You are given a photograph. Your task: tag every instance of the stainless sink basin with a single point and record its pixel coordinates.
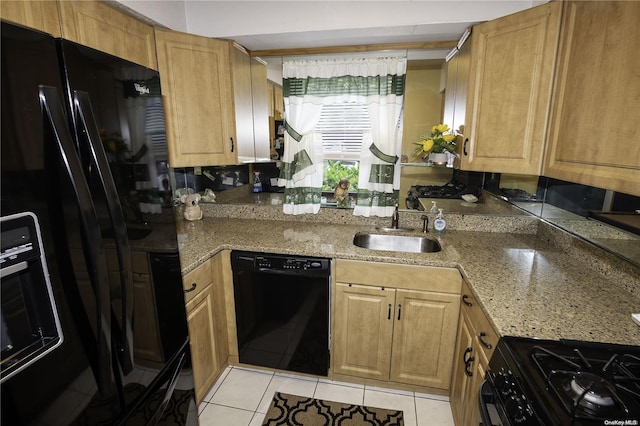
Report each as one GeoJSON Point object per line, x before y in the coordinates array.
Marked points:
{"type": "Point", "coordinates": [406, 243]}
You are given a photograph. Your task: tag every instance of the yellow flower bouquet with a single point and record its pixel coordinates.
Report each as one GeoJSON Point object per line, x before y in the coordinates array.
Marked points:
{"type": "Point", "coordinates": [441, 140]}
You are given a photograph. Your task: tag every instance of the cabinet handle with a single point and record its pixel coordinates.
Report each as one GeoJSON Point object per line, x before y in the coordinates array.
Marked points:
{"type": "Point", "coordinates": [389, 315]}
{"type": "Point", "coordinates": [485, 344]}
{"type": "Point", "coordinates": [193, 287]}
{"type": "Point", "coordinates": [464, 147]}
{"type": "Point", "coordinates": [233, 147]}
{"type": "Point", "coordinates": [464, 300]}
{"type": "Point", "coordinates": [399, 311]}
{"type": "Point", "coordinates": [468, 361]}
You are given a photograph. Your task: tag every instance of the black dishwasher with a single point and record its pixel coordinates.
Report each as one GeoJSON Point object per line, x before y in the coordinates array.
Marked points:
{"type": "Point", "coordinates": [282, 311]}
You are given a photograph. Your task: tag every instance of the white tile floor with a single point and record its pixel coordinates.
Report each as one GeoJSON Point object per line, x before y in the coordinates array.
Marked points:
{"type": "Point", "coordinates": [241, 397]}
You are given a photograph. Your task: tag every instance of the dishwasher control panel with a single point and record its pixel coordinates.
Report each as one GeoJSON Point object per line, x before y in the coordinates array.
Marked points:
{"type": "Point", "coordinates": [290, 263]}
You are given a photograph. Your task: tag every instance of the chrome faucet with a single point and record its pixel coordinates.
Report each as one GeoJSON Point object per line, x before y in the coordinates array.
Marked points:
{"type": "Point", "coordinates": [394, 218]}
{"type": "Point", "coordinates": [425, 223]}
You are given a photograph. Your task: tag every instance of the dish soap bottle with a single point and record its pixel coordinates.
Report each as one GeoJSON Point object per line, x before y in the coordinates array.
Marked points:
{"type": "Point", "coordinates": [434, 207]}
{"type": "Point", "coordinates": [439, 224]}
{"type": "Point", "coordinates": [257, 184]}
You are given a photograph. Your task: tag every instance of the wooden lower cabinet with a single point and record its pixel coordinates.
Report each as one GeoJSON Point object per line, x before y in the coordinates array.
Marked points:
{"type": "Point", "coordinates": [204, 295]}
{"type": "Point", "coordinates": [363, 331]}
{"type": "Point", "coordinates": [475, 343]}
{"type": "Point", "coordinates": [423, 338]}
{"type": "Point", "coordinates": [393, 334]}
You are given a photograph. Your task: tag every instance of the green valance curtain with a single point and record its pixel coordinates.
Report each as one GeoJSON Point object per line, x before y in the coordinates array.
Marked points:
{"type": "Point", "coordinates": [377, 83]}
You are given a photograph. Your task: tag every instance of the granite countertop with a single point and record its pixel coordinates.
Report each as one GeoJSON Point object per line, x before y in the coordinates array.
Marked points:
{"type": "Point", "coordinates": [527, 287]}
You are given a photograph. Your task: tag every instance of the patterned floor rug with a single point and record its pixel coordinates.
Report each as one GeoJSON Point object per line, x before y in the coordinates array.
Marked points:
{"type": "Point", "coordinates": [292, 410]}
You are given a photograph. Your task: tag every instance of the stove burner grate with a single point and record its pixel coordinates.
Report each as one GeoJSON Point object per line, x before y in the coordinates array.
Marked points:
{"type": "Point", "coordinates": [592, 389]}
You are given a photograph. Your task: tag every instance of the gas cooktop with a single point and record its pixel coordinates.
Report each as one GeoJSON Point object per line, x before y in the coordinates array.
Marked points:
{"type": "Point", "coordinates": [567, 382]}
{"type": "Point", "coordinates": [460, 184]}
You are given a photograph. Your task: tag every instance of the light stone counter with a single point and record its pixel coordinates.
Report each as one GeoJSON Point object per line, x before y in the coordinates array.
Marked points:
{"type": "Point", "coordinates": [531, 284]}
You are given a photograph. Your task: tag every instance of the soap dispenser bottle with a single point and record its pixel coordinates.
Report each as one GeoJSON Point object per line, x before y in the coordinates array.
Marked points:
{"type": "Point", "coordinates": [439, 224]}
{"type": "Point", "coordinates": [257, 183]}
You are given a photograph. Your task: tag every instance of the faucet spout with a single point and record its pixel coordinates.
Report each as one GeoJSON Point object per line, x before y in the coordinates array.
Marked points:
{"type": "Point", "coordinates": [425, 223]}
{"type": "Point", "coordinates": [395, 218]}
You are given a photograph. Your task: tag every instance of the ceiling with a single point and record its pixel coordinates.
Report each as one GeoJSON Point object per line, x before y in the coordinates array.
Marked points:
{"type": "Point", "coordinates": [306, 24]}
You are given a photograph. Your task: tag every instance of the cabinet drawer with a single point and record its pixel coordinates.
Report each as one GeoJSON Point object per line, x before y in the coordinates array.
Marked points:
{"type": "Point", "coordinates": [197, 280]}
{"type": "Point", "coordinates": [409, 277]}
{"type": "Point", "coordinates": [482, 329]}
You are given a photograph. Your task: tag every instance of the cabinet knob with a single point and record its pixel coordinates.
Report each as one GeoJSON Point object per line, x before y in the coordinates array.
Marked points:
{"type": "Point", "coordinates": [193, 287]}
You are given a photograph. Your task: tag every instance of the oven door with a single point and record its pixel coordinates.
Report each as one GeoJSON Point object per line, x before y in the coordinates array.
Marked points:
{"type": "Point", "coordinates": [488, 410]}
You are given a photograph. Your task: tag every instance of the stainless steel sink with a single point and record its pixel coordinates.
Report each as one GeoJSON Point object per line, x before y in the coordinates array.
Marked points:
{"type": "Point", "coordinates": [406, 243]}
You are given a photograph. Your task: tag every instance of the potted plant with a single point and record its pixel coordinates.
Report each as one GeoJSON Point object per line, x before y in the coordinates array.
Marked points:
{"type": "Point", "coordinates": [437, 146]}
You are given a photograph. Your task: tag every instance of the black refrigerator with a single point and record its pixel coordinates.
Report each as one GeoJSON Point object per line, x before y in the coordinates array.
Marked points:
{"type": "Point", "coordinates": [85, 182]}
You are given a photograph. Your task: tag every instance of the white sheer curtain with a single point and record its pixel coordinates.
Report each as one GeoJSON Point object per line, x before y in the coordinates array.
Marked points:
{"type": "Point", "coordinates": [379, 179]}
{"type": "Point", "coordinates": [310, 84]}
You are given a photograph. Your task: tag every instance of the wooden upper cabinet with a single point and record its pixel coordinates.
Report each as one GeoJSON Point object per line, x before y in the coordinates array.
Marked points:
{"type": "Point", "coordinates": [512, 61]}
{"type": "Point", "coordinates": [594, 135]}
{"type": "Point", "coordinates": [39, 15]}
{"type": "Point", "coordinates": [260, 101]}
{"type": "Point", "coordinates": [249, 77]}
{"type": "Point", "coordinates": [241, 79]}
{"type": "Point", "coordinates": [99, 26]}
{"type": "Point", "coordinates": [198, 99]}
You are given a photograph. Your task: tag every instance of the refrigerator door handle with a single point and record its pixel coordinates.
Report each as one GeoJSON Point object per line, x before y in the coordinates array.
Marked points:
{"type": "Point", "coordinates": [84, 112]}
{"type": "Point", "coordinates": [96, 266]}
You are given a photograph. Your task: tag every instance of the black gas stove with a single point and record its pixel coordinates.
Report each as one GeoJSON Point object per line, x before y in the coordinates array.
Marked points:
{"type": "Point", "coordinates": [548, 382]}
{"type": "Point", "coordinates": [461, 183]}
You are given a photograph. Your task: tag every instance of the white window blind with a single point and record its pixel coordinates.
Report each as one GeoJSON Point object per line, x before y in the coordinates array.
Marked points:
{"type": "Point", "coordinates": [155, 129]}
{"type": "Point", "coordinates": [343, 126]}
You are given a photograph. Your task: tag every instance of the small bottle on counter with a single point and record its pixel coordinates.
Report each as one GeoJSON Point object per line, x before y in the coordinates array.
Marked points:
{"type": "Point", "coordinates": [434, 207]}
{"type": "Point", "coordinates": [257, 183]}
{"type": "Point", "coordinates": [439, 224]}
{"type": "Point", "coordinates": [237, 181]}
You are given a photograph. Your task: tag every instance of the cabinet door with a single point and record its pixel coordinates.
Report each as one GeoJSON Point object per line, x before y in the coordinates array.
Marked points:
{"type": "Point", "coordinates": [200, 319]}
{"type": "Point", "coordinates": [462, 364]}
{"type": "Point", "coordinates": [97, 25]}
{"type": "Point", "coordinates": [198, 99]}
{"type": "Point", "coordinates": [594, 132]}
{"type": "Point", "coordinates": [512, 62]}
{"type": "Point", "coordinates": [480, 366]}
{"type": "Point", "coordinates": [424, 338]}
{"type": "Point", "coordinates": [363, 324]}
{"type": "Point", "coordinates": [39, 15]}
{"type": "Point", "coordinates": [241, 80]}
{"type": "Point", "coordinates": [260, 101]}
